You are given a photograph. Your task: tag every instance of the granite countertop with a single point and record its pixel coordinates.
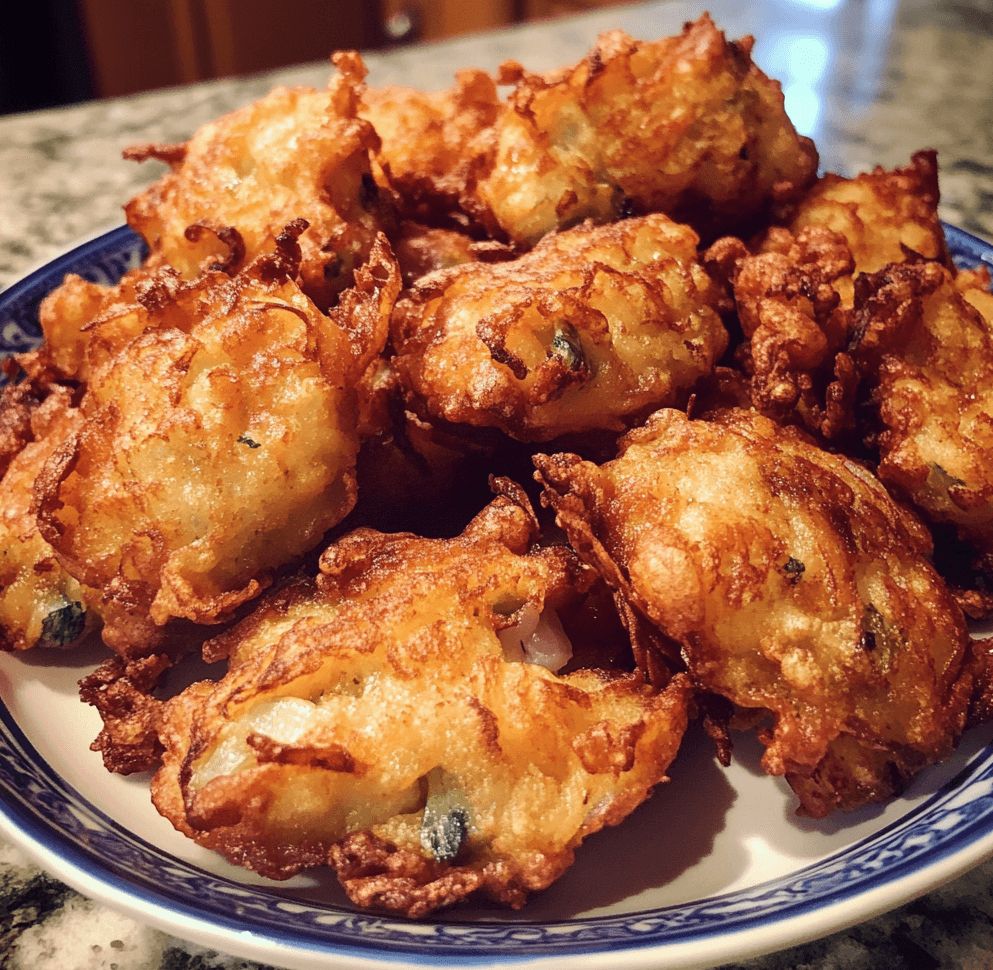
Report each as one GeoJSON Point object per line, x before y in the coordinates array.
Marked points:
{"type": "Point", "coordinates": [870, 80]}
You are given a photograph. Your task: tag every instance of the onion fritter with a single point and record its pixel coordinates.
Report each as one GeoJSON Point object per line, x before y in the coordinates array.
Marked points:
{"type": "Point", "coordinates": [483, 772]}
{"type": "Point", "coordinates": [215, 446]}
{"type": "Point", "coordinates": [884, 215]}
{"type": "Point", "coordinates": [423, 139]}
{"type": "Point", "coordinates": [296, 153]}
{"type": "Point", "coordinates": [687, 125]}
{"type": "Point", "coordinates": [40, 603]}
{"type": "Point", "coordinates": [791, 584]}
{"type": "Point", "coordinates": [591, 329]}
{"type": "Point", "coordinates": [924, 344]}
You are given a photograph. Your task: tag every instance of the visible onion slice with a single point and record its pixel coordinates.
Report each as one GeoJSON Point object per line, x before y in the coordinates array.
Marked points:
{"type": "Point", "coordinates": [284, 719]}
{"type": "Point", "coordinates": [537, 638]}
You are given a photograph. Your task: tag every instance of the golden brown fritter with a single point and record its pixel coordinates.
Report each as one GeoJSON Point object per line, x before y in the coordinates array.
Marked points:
{"type": "Point", "coordinates": [687, 125]}
{"type": "Point", "coordinates": [794, 286]}
{"type": "Point", "coordinates": [924, 344]}
{"type": "Point", "coordinates": [789, 583]}
{"type": "Point", "coordinates": [885, 216]}
{"type": "Point", "coordinates": [423, 138]}
{"type": "Point", "coordinates": [593, 327]}
{"type": "Point", "coordinates": [40, 603]}
{"type": "Point", "coordinates": [215, 446]}
{"type": "Point", "coordinates": [400, 719]}
{"type": "Point", "coordinates": [793, 326]}
{"type": "Point", "coordinates": [296, 153]}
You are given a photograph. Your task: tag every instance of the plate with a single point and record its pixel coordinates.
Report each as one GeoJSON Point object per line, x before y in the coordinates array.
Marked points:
{"type": "Point", "coordinates": [715, 867]}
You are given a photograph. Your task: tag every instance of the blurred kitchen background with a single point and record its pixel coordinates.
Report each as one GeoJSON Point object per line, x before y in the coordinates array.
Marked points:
{"type": "Point", "coordinates": [64, 51]}
{"type": "Point", "coordinates": [68, 51]}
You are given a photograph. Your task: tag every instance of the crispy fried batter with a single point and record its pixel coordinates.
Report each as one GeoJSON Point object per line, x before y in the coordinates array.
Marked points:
{"type": "Point", "coordinates": [216, 446]}
{"type": "Point", "coordinates": [122, 693]}
{"type": "Point", "coordinates": [925, 348]}
{"type": "Point", "coordinates": [807, 596]}
{"type": "Point", "coordinates": [793, 325]}
{"type": "Point", "coordinates": [439, 718]}
{"type": "Point", "coordinates": [421, 249]}
{"type": "Point", "coordinates": [592, 328]}
{"type": "Point", "coordinates": [794, 287]}
{"type": "Point", "coordinates": [688, 126]}
{"type": "Point", "coordinates": [85, 323]}
{"type": "Point", "coordinates": [885, 216]}
{"type": "Point", "coordinates": [19, 400]}
{"type": "Point", "coordinates": [40, 603]}
{"type": "Point", "coordinates": [484, 772]}
{"type": "Point", "coordinates": [423, 139]}
{"type": "Point", "coordinates": [296, 153]}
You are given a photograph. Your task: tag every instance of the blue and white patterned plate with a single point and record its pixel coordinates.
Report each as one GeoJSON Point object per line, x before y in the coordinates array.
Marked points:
{"type": "Point", "coordinates": [715, 867]}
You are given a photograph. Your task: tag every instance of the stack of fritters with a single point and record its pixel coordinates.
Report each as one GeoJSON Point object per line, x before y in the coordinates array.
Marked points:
{"type": "Point", "coordinates": [757, 400]}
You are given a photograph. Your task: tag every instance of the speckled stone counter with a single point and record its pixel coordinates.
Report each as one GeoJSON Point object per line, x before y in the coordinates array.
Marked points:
{"type": "Point", "coordinates": [876, 80]}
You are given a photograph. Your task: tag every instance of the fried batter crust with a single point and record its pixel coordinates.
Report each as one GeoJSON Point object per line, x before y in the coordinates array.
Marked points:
{"type": "Point", "coordinates": [276, 768]}
{"type": "Point", "coordinates": [122, 693]}
{"type": "Point", "coordinates": [216, 445]}
{"type": "Point", "coordinates": [423, 138]}
{"type": "Point", "coordinates": [924, 344]}
{"type": "Point", "coordinates": [885, 216]}
{"type": "Point", "coordinates": [593, 328]}
{"type": "Point", "coordinates": [296, 153]}
{"type": "Point", "coordinates": [422, 249]}
{"type": "Point", "coordinates": [85, 323]}
{"type": "Point", "coordinates": [687, 125]}
{"type": "Point", "coordinates": [811, 598]}
{"type": "Point", "coordinates": [40, 603]}
{"type": "Point", "coordinates": [794, 326]}
{"type": "Point", "coordinates": [794, 286]}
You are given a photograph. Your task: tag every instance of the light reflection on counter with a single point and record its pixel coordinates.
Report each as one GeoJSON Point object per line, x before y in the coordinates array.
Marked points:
{"type": "Point", "coordinates": [802, 42]}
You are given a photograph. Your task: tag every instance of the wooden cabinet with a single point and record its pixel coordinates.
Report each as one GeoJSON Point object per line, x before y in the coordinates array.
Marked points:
{"type": "Point", "coordinates": [535, 9]}
{"type": "Point", "coordinates": [135, 45]}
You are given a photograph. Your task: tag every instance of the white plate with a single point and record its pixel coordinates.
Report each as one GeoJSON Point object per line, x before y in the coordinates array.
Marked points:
{"type": "Point", "coordinates": [715, 867]}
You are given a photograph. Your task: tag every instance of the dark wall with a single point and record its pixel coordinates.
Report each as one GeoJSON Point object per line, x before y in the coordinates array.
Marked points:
{"type": "Point", "coordinates": [43, 57]}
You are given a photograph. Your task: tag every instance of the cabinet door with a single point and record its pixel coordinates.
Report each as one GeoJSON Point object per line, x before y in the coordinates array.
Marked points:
{"type": "Point", "coordinates": [135, 45]}
{"type": "Point", "coordinates": [255, 35]}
